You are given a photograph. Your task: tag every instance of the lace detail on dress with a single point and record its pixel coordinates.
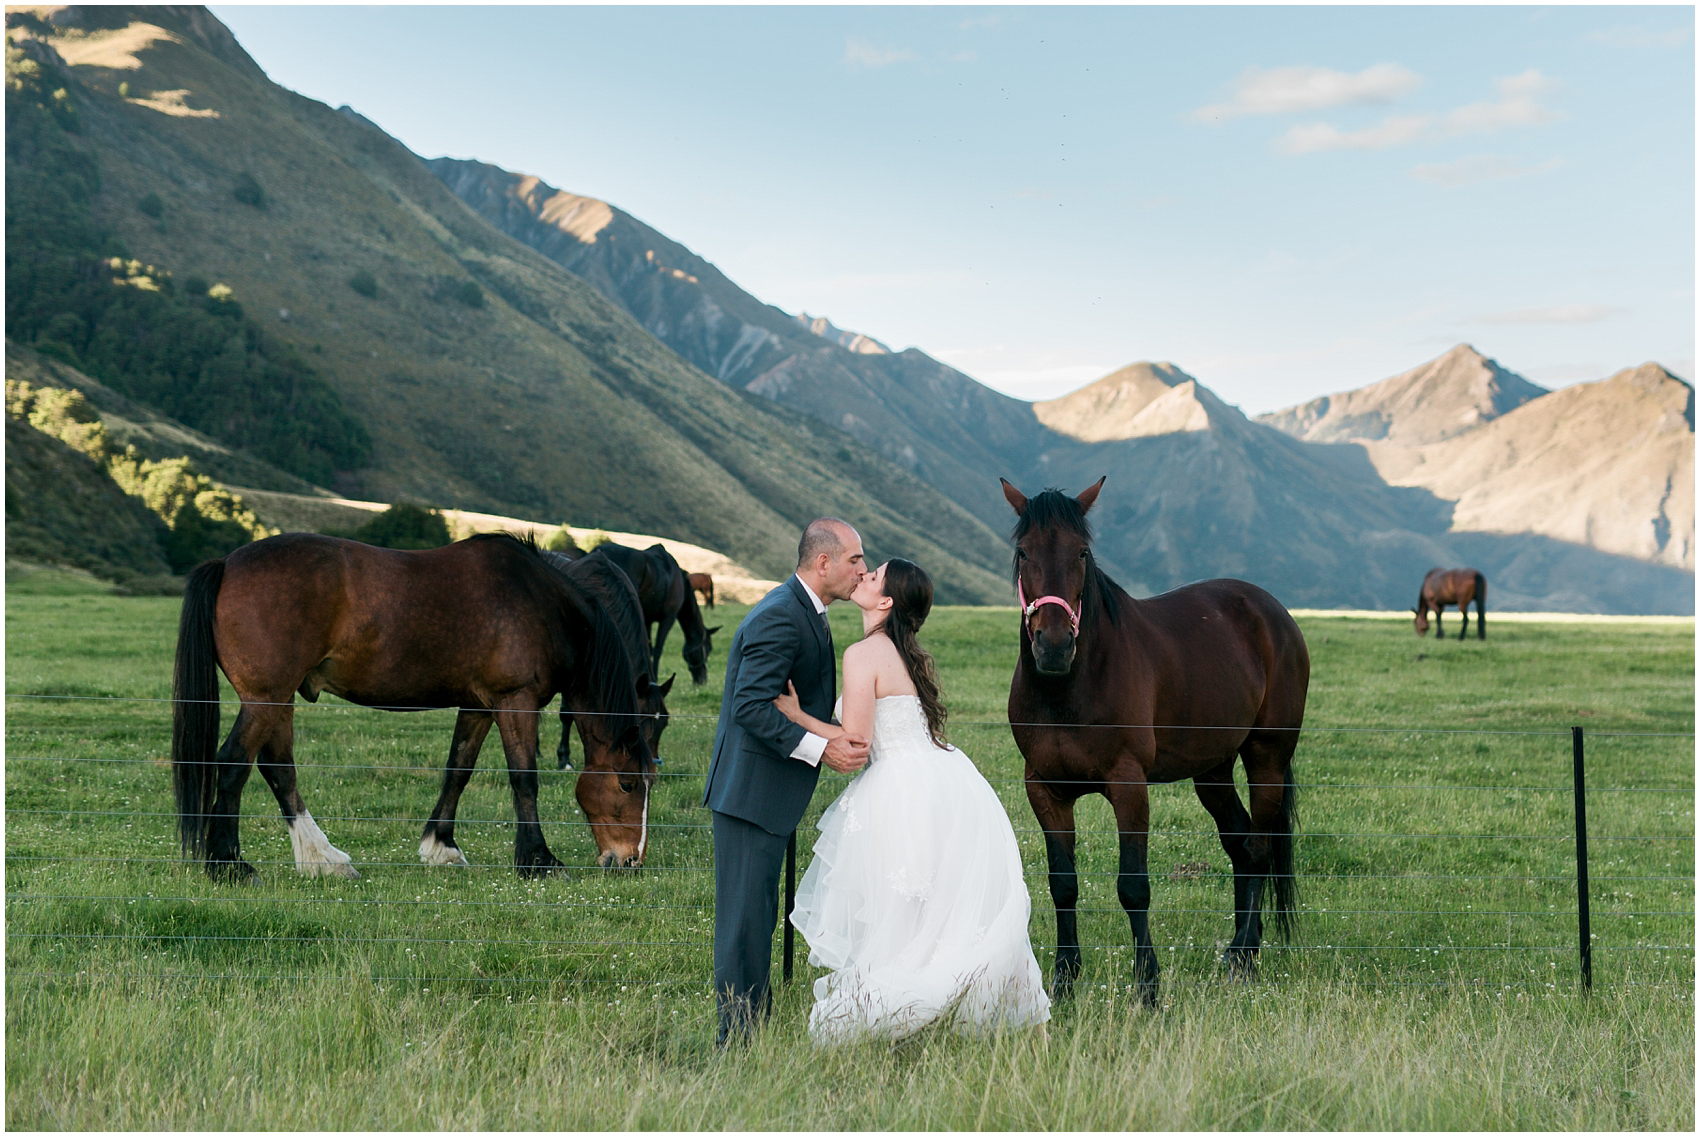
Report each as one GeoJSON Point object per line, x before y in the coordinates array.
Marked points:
{"type": "Point", "coordinates": [919, 888]}
{"type": "Point", "coordinates": [900, 727]}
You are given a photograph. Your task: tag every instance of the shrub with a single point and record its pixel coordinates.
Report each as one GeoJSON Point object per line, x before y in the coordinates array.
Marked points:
{"type": "Point", "coordinates": [248, 191]}
{"type": "Point", "coordinates": [196, 538]}
{"type": "Point", "coordinates": [561, 541]}
{"type": "Point", "coordinates": [404, 526]}
{"type": "Point", "coordinates": [364, 283]}
{"type": "Point", "coordinates": [195, 285]}
{"type": "Point", "coordinates": [152, 206]}
{"type": "Point", "coordinates": [470, 294]}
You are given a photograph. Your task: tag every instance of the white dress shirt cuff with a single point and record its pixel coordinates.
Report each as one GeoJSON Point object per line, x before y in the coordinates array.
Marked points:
{"type": "Point", "coordinates": [810, 749]}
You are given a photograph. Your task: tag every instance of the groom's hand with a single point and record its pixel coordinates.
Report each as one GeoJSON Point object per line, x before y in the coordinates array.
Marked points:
{"type": "Point", "coordinates": [847, 753]}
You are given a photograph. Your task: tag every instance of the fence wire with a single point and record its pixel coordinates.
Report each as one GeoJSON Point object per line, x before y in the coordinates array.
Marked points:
{"type": "Point", "coordinates": [602, 948]}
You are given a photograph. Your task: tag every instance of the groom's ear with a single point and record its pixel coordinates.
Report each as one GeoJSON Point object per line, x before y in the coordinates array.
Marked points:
{"type": "Point", "coordinates": [1017, 500]}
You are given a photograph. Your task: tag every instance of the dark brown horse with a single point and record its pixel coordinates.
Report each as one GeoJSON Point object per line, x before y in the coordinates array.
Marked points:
{"type": "Point", "coordinates": [667, 599]}
{"type": "Point", "coordinates": [604, 583]}
{"type": "Point", "coordinates": [1112, 694]}
{"type": "Point", "coordinates": [1452, 586]}
{"type": "Point", "coordinates": [703, 585]}
{"type": "Point", "coordinates": [485, 625]}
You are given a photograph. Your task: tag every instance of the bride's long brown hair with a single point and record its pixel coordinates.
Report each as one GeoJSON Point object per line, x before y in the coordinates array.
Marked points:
{"type": "Point", "coordinates": [911, 592]}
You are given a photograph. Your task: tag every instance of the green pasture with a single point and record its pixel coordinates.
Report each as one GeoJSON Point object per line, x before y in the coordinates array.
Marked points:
{"type": "Point", "coordinates": [1433, 982]}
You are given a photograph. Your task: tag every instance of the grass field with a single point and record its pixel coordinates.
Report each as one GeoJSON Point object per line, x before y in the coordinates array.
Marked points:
{"type": "Point", "coordinates": [1433, 982]}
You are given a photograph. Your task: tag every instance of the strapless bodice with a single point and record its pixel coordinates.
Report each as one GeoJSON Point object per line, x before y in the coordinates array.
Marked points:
{"type": "Point", "coordinates": [900, 727]}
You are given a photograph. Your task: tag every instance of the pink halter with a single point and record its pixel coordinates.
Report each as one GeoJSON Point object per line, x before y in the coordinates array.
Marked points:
{"type": "Point", "coordinates": [1027, 609]}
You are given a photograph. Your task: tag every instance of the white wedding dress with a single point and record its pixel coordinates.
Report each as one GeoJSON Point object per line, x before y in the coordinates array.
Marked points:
{"type": "Point", "coordinates": [915, 896]}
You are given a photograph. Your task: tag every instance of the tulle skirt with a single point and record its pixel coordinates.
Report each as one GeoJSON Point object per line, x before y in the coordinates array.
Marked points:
{"type": "Point", "coordinates": [915, 900]}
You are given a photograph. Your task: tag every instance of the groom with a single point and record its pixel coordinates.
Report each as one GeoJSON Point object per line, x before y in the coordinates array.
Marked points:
{"type": "Point", "coordinates": [765, 766]}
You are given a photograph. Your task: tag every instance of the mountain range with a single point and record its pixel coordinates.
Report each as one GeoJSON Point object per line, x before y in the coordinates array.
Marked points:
{"type": "Point", "coordinates": [462, 335]}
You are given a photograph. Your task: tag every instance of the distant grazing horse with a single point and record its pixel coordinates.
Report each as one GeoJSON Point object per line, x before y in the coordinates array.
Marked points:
{"type": "Point", "coordinates": [1452, 586]}
{"type": "Point", "coordinates": [703, 585]}
{"type": "Point", "coordinates": [604, 582]}
{"type": "Point", "coordinates": [486, 625]}
{"type": "Point", "coordinates": [667, 599]}
{"type": "Point", "coordinates": [1111, 694]}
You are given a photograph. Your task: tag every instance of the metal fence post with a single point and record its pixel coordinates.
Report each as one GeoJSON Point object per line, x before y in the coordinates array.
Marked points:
{"type": "Point", "coordinates": [1582, 863]}
{"type": "Point", "coordinates": [790, 901]}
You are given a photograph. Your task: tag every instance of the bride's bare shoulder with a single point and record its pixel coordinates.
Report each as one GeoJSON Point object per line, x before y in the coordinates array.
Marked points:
{"type": "Point", "coordinates": [871, 649]}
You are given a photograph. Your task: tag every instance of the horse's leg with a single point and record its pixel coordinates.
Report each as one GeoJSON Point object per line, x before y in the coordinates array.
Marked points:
{"type": "Point", "coordinates": [1132, 804]}
{"type": "Point", "coordinates": [1439, 611]}
{"type": "Point", "coordinates": [564, 750]}
{"type": "Point", "coordinates": [1056, 820]}
{"type": "Point", "coordinates": [314, 854]}
{"type": "Point", "coordinates": [1268, 758]}
{"type": "Point", "coordinates": [254, 723]}
{"type": "Point", "coordinates": [1233, 825]}
{"type": "Point", "coordinates": [662, 630]}
{"type": "Point", "coordinates": [518, 728]}
{"type": "Point", "coordinates": [1463, 618]}
{"type": "Point", "coordinates": [437, 845]}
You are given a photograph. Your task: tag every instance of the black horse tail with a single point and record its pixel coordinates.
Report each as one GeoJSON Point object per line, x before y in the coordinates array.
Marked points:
{"type": "Point", "coordinates": [194, 712]}
{"type": "Point", "coordinates": [1282, 883]}
{"type": "Point", "coordinates": [1481, 606]}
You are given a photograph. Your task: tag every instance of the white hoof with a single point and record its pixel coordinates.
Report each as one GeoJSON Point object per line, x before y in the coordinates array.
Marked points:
{"type": "Point", "coordinates": [314, 854]}
{"type": "Point", "coordinates": [434, 852]}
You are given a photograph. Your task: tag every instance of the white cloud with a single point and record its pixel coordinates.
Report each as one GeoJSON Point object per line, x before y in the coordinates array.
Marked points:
{"type": "Point", "coordinates": [1317, 136]}
{"type": "Point", "coordinates": [1282, 90]}
{"type": "Point", "coordinates": [1561, 314]}
{"type": "Point", "coordinates": [861, 53]}
{"type": "Point", "coordinates": [1640, 37]}
{"type": "Point", "coordinates": [1481, 168]}
{"type": "Point", "coordinates": [1517, 106]}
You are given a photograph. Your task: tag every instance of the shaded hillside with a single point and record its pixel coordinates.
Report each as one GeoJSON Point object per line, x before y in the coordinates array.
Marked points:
{"type": "Point", "coordinates": [1607, 464]}
{"type": "Point", "coordinates": [953, 432]}
{"type": "Point", "coordinates": [485, 376]}
{"type": "Point", "coordinates": [1444, 397]}
{"type": "Point", "coordinates": [61, 508]}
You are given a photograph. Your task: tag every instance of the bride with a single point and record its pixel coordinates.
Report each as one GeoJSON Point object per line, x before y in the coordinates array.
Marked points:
{"type": "Point", "coordinates": [915, 897]}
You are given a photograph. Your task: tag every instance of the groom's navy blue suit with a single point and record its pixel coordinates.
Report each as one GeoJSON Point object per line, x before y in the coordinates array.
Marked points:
{"type": "Point", "coordinates": [758, 792]}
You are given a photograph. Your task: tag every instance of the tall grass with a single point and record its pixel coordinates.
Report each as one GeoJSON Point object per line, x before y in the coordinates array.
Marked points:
{"type": "Point", "coordinates": [1432, 983]}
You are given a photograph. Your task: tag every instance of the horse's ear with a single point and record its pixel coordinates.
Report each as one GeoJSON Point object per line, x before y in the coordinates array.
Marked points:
{"type": "Point", "coordinates": [711, 631]}
{"type": "Point", "coordinates": [668, 686]}
{"type": "Point", "coordinates": [1090, 494]}
{"type": "Point", "coordinates": [1017, 500]}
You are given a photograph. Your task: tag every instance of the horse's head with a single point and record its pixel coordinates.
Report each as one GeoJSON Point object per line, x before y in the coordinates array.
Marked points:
{"type": "Point", "coordinates": [1422, 621]}
{"type": "Point", "coordinates": [619, 774]}
{"type": "Point", "coordinates": [697, 653]}
{"type": "Point", "coordinates": [1053, 566]}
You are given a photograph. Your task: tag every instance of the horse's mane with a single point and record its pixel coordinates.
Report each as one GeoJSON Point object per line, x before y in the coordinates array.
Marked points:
{"type": "Point", "coordinates": [1054, 509]}
{"type": "Point", "coordinates": [611, 675]}
{"type": "Point", "coordinates": [610, 590]}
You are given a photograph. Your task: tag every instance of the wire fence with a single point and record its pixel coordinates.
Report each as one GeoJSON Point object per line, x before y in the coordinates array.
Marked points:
{"type": "Point", "coordinates": [1480, 885]}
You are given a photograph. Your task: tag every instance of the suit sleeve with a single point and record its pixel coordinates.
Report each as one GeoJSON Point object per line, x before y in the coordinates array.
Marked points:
{"type": "Point", "coordinates": [770, 653]}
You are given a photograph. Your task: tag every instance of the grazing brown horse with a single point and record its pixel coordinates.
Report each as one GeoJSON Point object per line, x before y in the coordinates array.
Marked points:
{"type": "Point", "coordinates": [1452, 586]}
{"type": "Point", "coordinates": [1113, 694]}
{"type": "Point", "coordinates": [667, 599]}
{"type": "Point", "coordinates": [485, 625]}
{"type": "Point", "coordinates": [703, 585]}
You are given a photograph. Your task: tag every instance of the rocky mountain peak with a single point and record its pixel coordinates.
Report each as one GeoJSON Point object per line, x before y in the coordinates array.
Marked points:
{"type": "Point", "coordinates": [850, 341]}
{"type": "Point", "coordinates": [1444, 397]}
{"type": "Point", "coordinates": [1137, 401]}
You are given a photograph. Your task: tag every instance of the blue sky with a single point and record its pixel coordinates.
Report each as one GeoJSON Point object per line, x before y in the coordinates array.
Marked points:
{"type": "Point", "coordinates": [1285, 202]}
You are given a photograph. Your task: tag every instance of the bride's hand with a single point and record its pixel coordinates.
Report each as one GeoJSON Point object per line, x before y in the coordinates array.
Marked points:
{"type": "Point", "coordinates": [788, 705]}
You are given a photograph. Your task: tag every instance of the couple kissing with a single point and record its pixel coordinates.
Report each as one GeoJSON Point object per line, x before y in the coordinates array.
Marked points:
{"type": "Point", "coordinates": [914, 898]}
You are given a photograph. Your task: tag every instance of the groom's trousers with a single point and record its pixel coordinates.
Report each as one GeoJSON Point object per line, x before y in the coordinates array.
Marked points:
{"type": "Point", "coordinates": [747, 862]}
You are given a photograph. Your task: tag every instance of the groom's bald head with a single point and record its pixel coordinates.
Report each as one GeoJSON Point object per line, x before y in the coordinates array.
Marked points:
{"type": "Point", "coordinates": [829, 557]}
{"type": "Point", "coordinates": [823, 535]}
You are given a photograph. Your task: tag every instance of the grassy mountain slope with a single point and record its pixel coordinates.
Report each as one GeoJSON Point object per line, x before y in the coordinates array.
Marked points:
{"type": "Point", "coordinates": [527, 395]}
{"type": "Point", "coordinates": [955, 433]}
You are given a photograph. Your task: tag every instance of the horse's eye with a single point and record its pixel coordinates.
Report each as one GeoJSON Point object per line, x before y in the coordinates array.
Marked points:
{"type": "Point", "coordinates": [1021, 554]}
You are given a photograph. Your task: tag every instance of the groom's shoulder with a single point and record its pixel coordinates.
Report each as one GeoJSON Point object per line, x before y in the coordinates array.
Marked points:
{"type": "Point", "coordinates": [776, 607]}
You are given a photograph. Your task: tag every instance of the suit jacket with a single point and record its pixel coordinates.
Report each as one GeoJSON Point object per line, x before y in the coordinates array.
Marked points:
{"type": "Point", "coordinates": [752, 775]}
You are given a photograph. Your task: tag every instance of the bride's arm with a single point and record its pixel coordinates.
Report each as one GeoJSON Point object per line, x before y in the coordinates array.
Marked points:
{"type": "Point", "coordinates": [792, 709]}
{"type": "Point", "coordinates": [859, 670]}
